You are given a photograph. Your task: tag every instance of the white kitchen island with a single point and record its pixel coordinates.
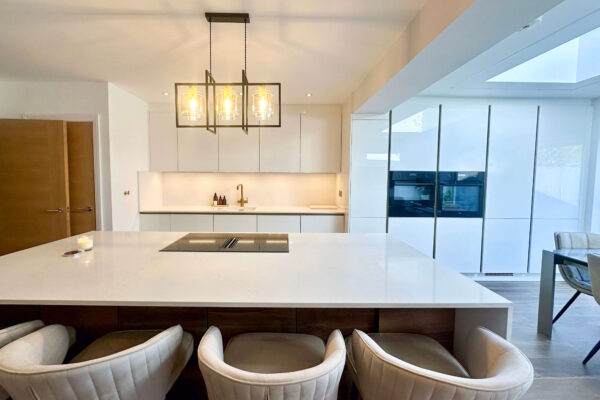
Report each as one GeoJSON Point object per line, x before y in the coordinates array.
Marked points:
{"type": "Point", "coordinates": [373, 282]}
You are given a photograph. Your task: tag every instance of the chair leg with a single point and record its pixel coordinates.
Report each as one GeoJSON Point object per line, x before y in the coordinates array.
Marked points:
{"type": "Point", "coordinates": [592, 353]}
{"type": "Point", "coordinates": [562, 310]}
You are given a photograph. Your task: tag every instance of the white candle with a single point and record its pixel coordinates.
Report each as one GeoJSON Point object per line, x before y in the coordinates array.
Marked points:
{"type": "Point", "coordinates": [85, 243]}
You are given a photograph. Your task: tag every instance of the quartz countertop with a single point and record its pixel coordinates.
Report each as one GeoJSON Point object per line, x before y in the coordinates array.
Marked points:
{"type": "Point", "coordinates": [249, 209]}
{"type": "Point", "coordinates": [320, 270]}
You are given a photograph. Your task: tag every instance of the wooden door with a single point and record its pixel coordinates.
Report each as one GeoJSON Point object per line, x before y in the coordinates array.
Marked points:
{"type": "Point", "coordinates": [34, 195]}
{"type": "Point", "coordinates": [82, 193]}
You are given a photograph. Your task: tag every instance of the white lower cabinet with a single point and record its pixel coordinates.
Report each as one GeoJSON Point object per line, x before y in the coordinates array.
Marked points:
{"type": "Point", "coordinates": [322, 223]}
{"type": "Point", "coordinates": [367, 225]}
{"type": "Point", "coordinates": [278, 223]}
{"type": "Point", "coordinates": [235, 223]}
{"type": "Point", "coordinates": [458, 243]}
{"type": "Point", "coordinates": [155, 222]}
{"type": "Point", "coordinates": [505, 245]}
{"type": "Point", "coordinates": [416, 232]}
{"type": "Point", "coordinates": [191, 222]}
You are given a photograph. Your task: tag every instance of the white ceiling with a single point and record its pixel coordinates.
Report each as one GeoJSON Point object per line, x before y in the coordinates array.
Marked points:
{"type": "Point", "coordinates": [144, 46]}
{"type": "Point", "coordinates": [568, 20]}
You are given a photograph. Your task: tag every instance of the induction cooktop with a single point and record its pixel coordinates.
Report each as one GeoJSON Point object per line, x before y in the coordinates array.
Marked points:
{"type": "Point", "coordinates": [231, 243]}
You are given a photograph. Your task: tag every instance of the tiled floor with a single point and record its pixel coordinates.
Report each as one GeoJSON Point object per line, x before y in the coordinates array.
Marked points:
{"type": "Point", "coordinates": [559, 373]}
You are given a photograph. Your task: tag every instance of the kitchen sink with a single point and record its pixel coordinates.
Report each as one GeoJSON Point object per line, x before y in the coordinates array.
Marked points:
{"type": "Point", "coordinates": [231, 243]}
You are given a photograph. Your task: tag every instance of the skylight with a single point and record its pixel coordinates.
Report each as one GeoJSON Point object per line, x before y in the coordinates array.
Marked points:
{"type": "Point", "coordinates": [571, 62]}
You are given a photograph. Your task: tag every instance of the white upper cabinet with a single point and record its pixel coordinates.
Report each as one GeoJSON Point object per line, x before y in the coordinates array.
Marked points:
{"type": "Point", "coordinates": [563, 129]}
{"type": "Point", "coordinates": [511, 156]}
{"type": "Point", "coordinates": [463, 139]}
{"type": "Point", "coordinates": [320, 139]}
{"type": "Point", "coordinates": [163, 139]}
{"type": "Point", "coordinates": [280, 147]}
{"type": "Point", "coordinates": [238, 152]}
{"type": "Point", "coordinates": [415, 136]}
{"type": "Point", "coordinates": [198, 150]}
{"type": "Point", "coordinates": [368, 175]}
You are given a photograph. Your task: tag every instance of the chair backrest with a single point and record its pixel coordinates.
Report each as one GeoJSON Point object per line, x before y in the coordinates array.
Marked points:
{"type": "Point", "coordinates": [224, 382]}
{"type": "Point", "coordinates": [594, 268]}
{"type": "Point", "coordinates": [577, 278]}
{"type": "Point", "coordinates": [13, 333]}
{"type": "Point", "coordinates": [30, 368]}
{"type": "Point", "coordinates": [498, 370]}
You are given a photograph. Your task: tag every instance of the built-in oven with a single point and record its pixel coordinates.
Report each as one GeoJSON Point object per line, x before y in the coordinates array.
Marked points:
{"type": "Point", "coordinates": [411, 194]}
{"type": "Point", "coordinates": [460, 194]}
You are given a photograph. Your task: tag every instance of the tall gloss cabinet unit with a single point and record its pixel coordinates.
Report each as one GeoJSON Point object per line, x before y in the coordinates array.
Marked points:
{"type": "Point", "coordinates": [563, 130]}
{"type": "Point", "coordinates": [509, 186]}
{"type": "Point", "coordinates": [463, 145]}
{"type": "Point", "coordinates": [368, 177]}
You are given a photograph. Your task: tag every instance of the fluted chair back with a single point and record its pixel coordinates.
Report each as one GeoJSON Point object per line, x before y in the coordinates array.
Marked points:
{"type": "Point", "coordinates": [13, 333]}
{"type": "Point", "coordinates": [594, 268]}
{"type": "Point", "coordinates": [225, 382]}
{"type": "Point", "coordinates": [31, 368]}
{"type": "Point", "coordinates": [497, 370]}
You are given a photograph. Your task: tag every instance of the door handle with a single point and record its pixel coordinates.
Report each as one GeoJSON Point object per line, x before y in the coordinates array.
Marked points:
{"type": "Point", "coordinates": [57, 210]}
{"type": "Point", "coordinates": [82, 209]}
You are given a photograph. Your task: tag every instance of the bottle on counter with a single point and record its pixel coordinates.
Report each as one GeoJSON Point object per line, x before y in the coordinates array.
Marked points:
{"type": "Point", "coordinates": [220, 201]}
{"type": "Point", "coordinates": [215, 200]}
{"type": "Point", "coordinates": [224, 200]}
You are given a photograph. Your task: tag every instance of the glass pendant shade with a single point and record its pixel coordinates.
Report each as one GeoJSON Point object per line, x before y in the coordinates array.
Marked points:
{"type": "Point", "coordinates": [227, 104]}
{"type": "Point", "coordinates": [262, 104]}
{"type": "Point", "coordinates": [192, 107]}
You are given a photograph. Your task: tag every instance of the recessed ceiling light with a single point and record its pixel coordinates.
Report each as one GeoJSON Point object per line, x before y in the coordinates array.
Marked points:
{"type": "Point", "coordinates": [165, 93]}
{"type": "Point", "coordinates": [309, 94]}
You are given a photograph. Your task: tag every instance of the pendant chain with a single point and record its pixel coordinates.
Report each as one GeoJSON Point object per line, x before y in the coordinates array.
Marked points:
{"type": "Point", "coordinates": [210, 46]}
{"type": "Point", "coordinates": [245, 67]}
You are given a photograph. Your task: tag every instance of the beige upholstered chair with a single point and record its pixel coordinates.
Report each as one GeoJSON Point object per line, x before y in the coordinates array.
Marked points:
{"type": "Point", "coordinates": [594, 269]}
{"type": "Point", "coordinates": [13, 333]}
{"type": "Point", "coordinates": [128, 365]}
{"type": "Point", "coordinates": [416, 367]}
{"type": "Point", "coordinates": [274, 366]}
{"type": "Point", "coordinates": [577, 278]}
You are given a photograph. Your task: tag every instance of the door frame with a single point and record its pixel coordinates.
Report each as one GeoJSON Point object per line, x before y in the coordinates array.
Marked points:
{"type": "Point", "coordinates": [99, 185]}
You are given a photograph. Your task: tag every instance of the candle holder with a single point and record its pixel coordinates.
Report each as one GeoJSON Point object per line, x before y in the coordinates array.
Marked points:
{"type": "Point", "coordinates": [85, 243]}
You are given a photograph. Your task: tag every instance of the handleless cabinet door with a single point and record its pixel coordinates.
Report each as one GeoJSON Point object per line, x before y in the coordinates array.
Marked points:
{"type": "Point", "coordinates": [322, 223]}
{"type": "Point", "coordinates": [506, 245]}
{"type": "Point", "coordinates": [366, 225]}
{"type": "Point", "coordinates": [280, 147]}
{"type": "Point", "coordinates": [155, 222]}
{"type": "Point", "coordinates": [463, 139]}
{"type": "Point", "coordinates": [458, 243]}
{"type": "Point", "coordinates": [320, 141]}
{"type": "Point", "coordinates": [191, 222]}
{"type": "Point", "coordinates": [368, 175]}
{"type": "Point", "coordinates": [163, 140]}
{"type": "Point", "coordinates": [235, 223]}
{"type": "Point", "coordinates": [238, 152]}
{"type": "Point", "coordinates": [279, 223]}
{"type": "Point", "coordinates": [416, 232]}
{"type": "Point", "coordinates": [197, 150]}
{"type": "Point", "coordinates": [510, 164]}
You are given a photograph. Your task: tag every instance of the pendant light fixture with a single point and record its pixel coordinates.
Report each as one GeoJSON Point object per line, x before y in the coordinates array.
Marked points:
{"type": "Point", "coordinates": [213, 105]}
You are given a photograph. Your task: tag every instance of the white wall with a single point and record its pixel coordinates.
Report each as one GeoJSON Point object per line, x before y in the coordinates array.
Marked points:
{"type": "Point", "coordinates": [261, 189]}
{"type": "Point", "coordinates": [129, 153]}
{"type": "Point", "coordinates": [61, 100]}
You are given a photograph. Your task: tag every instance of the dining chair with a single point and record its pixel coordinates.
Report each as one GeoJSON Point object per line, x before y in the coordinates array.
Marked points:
{"type": "Point", "coordinates": [126, 365]}
{"type": "Point", "coordinates": [274, 366]}
{"type": "Point", "coordinates": [594, 269]}
{"type": "Point", "coordinates": [12, 333]}
{"type": "Point", "coordinates": [576, 277]}
{"type": "Point", "coordinates": [391, 366]}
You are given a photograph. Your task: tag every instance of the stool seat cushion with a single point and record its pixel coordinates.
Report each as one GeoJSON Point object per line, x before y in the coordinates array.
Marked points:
{"type": "Point", "coordinates": [269, 353]}
{"type": "Point", "coordinates": [419, 350]}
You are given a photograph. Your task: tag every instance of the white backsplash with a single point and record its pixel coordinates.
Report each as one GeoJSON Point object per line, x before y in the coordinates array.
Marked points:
{"type": "Point", "coordinates": [261, 189]}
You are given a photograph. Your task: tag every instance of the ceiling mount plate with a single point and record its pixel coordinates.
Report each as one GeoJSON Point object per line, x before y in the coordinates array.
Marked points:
{"type": "Point", "coordinates": [236, 18]}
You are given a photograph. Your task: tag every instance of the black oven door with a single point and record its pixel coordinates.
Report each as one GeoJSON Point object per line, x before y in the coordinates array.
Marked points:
{"type": "Point", "coordinates": [461, 194]}
{"type": "Point", "coordinates": [411, 194]}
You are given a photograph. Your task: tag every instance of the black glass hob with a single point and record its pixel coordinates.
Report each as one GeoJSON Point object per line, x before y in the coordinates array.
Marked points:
{"type": "Point", "coordinates": [231, 243]}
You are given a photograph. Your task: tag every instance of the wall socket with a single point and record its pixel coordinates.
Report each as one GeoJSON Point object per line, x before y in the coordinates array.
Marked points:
{"type": "Point", "coordinates": [339, 193]}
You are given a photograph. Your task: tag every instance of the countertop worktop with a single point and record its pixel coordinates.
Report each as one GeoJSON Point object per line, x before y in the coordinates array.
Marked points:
{"type": "Point", "coordinates": [249, 209]}
{"type": "Point", "coordinates": [320, 270]}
